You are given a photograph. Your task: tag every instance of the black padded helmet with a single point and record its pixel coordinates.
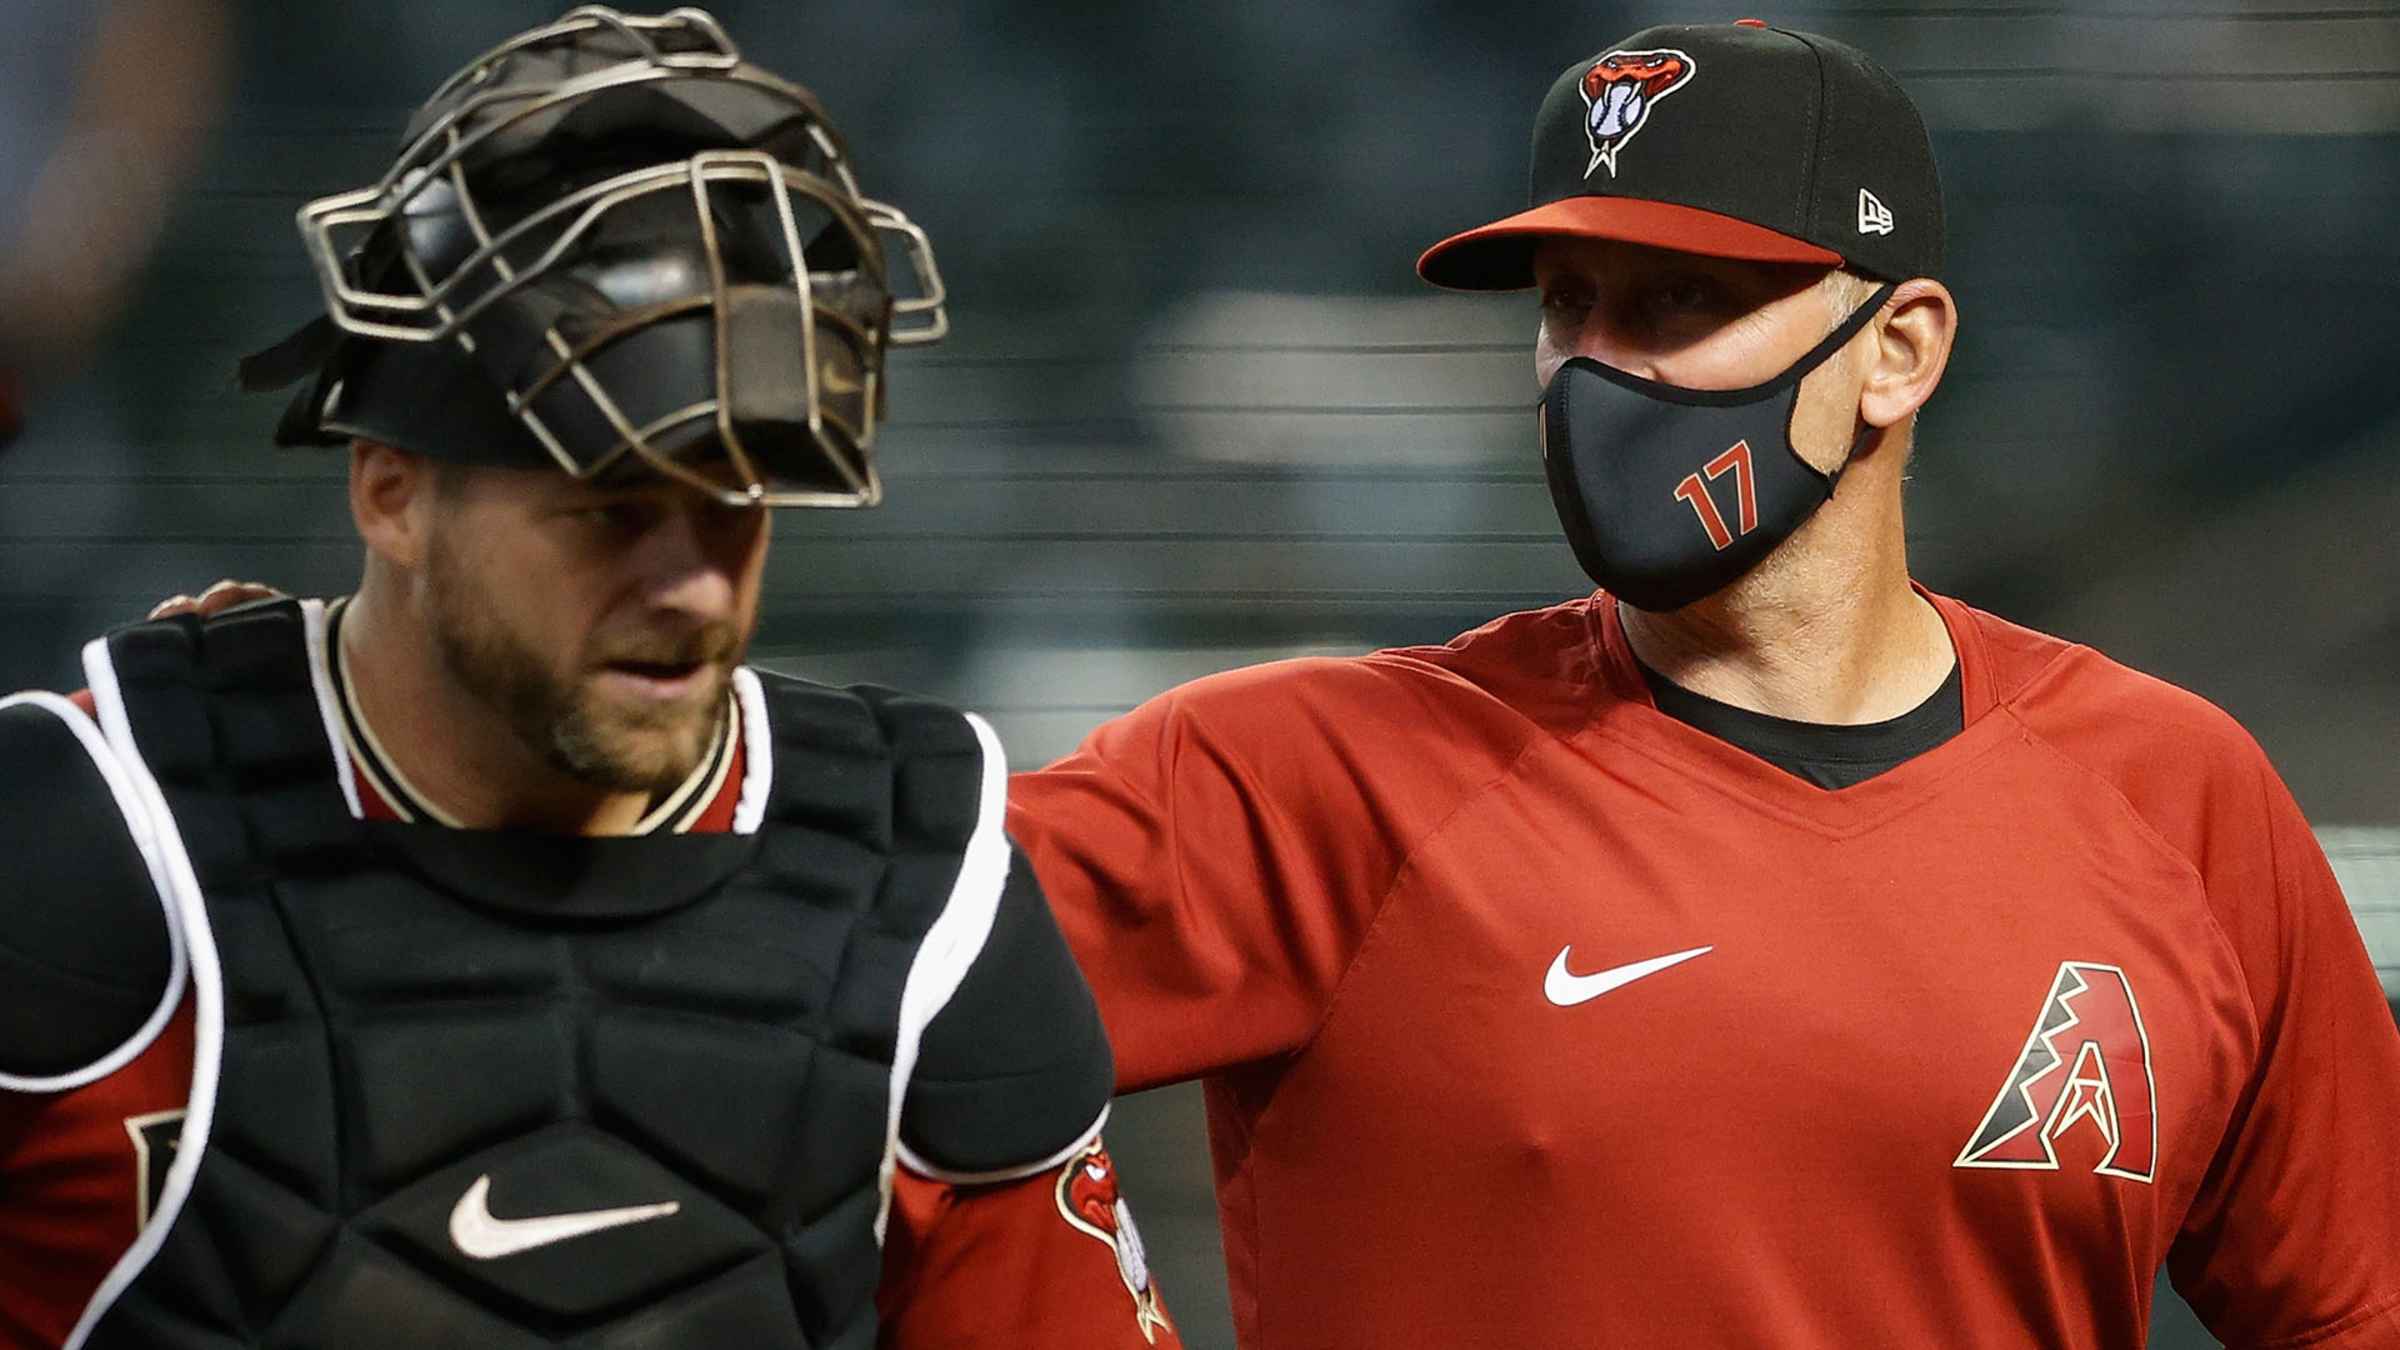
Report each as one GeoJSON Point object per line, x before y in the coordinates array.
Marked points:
{"type": "Point", "coordinates": [610, 244]}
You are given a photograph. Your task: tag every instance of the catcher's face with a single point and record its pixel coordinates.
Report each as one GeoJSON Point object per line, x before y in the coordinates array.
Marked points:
{"type": "Point", "coordinates": [602, 623]}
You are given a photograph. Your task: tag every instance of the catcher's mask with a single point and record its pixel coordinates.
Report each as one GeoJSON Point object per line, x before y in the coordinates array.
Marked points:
{"type": "Point", "coordinates": [612, 243]}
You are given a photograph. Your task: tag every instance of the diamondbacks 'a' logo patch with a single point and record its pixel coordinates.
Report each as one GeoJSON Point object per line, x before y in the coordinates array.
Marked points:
{"type": "Point", "coordinates": [1618, 93]}
{"type": "Point", "coordinates": [2086, 1064]}
{"type": "Point", "coordinates": [1089, 1200]}
{"type": "Point", "coordinates": [155, 1137]}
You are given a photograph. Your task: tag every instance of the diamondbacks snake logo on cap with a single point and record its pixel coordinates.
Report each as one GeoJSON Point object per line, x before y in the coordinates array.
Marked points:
{"type": "Point", "coordinates": [1618, 93]}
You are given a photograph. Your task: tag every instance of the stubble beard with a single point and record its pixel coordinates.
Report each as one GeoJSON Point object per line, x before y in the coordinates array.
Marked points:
{"type": "Point", "coordinates": [607, 743]}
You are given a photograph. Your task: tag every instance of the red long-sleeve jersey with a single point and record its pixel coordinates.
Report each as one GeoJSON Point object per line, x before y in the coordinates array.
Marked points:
{"type": "Point", "coordinates": [1533, 1017]}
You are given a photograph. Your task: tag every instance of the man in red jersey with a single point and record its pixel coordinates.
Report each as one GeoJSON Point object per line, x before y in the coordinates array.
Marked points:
{"type": "Point", "coordinates": [490, 958]}
{"type": "Point", "coordinates": [1762, 951]}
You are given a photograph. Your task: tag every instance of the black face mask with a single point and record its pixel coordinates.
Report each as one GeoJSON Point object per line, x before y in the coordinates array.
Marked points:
{"type": "Point", "coordinates": [1669, 494]}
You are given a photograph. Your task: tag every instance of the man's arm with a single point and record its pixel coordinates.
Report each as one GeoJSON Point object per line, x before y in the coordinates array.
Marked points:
{"type": "Point", "coordinates": [90, 1040]}
{"type": "Point", "coordinates": [1051, 1259]}
{"type": "Point", "coordinates": [2294, 1237]}
{"type": "Point", "coordinates": [1218, 855]}
{"type": "Point", "coordinates": [1006, 1227]}
{"type": "Point", "coordinates": [85, 956]}
{"type": "Point", "coordinates": [1014, 1072]}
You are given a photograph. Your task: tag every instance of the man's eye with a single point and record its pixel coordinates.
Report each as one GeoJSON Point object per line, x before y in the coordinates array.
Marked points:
{"type": "Point", "coordinates": [1684, 297]}
{"type": "Point", "coordinates": [1565, 305]}
{"type": "Point", "coordinates": [617, 517]}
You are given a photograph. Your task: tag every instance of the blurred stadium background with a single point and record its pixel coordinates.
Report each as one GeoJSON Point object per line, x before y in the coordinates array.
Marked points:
{"type": "Point", "coordinates": [1198, 412]}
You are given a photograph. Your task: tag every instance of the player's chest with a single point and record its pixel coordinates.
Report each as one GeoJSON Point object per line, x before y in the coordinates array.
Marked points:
{"type": "Point", "coordinates": [2026, 997]}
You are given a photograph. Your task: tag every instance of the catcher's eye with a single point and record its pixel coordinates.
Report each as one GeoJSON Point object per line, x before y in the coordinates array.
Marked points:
{"type": "Point", "coordinates": [631, 516]}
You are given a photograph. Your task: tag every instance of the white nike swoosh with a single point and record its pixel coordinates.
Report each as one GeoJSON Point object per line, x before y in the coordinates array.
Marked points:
{"type": "Point", "coordinates": [1567, 990]}
{"type": "Point", "coordinates": [484, 1238]}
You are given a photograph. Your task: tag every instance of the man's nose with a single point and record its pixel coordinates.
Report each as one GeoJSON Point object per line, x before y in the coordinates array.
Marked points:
{"type": "Point", "coordinates": [693, 561]}
{"type": "Point", "coordinates": [1610, 345]}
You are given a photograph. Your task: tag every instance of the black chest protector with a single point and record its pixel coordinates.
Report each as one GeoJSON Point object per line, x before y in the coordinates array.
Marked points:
{"type": "Point", "coordinates": [498, 1090]}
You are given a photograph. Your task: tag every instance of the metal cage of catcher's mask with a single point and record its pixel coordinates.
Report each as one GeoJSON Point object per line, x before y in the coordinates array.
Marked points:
{"type": "Point", "coordinates": [614, 335]}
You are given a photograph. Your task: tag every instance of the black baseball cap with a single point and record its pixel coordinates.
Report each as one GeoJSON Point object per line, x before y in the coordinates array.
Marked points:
{"type": "Point", "coordinates": [1736, 140]}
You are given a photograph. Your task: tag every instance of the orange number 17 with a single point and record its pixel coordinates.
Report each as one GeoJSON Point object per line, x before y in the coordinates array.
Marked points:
{"type": "Point", "coordinates": [1694, 491]}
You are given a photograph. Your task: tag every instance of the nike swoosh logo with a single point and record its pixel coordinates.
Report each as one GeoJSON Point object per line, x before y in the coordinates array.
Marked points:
{"type": "Point", "coordinates": [1566, 990]}
{"type": "Point", "coordinates": [484, 1238]}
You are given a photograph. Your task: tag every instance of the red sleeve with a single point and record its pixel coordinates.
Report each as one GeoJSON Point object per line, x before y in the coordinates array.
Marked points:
{"type": "Point", "coordinates": [2294, 1237]}
{"type": "Point", "coordinates": [1051, 1260]}
{"type": "Point", "coordinates": [72, 1185]}
{"type": "Point", "coordinates": [1217, 855]}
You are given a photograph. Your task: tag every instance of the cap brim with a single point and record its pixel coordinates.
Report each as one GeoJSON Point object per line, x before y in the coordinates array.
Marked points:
{"type": "Point", "coordinates": [1499, 256]}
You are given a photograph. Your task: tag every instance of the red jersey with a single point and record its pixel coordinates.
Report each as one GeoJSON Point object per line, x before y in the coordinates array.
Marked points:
{"type": "Point", "coordinates": [1047, 1259]}
{"type": "Point", "coordinates": [1533, 1017]}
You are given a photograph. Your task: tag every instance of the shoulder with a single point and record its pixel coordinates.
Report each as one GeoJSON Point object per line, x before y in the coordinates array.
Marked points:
{"type": "Point", "coordinates": [862, 717]}
{"type": "Point", "coordinates": [1462, 709]}
{"type": "Point", "coordinates": [84, 940]}
{"type": "Point", "coordinates": [1013, 1069]}
{"type": "Point", "coordinates": [2101, 711]}
{"type": "Point", "coordinates": [2180, 762]}
{"type": "Point", "coordinates": [1518, 664]}
{"type": "Point", "coordinates": [1016, 1070]}
{"type": "Point", "coordinates": [869, 748]}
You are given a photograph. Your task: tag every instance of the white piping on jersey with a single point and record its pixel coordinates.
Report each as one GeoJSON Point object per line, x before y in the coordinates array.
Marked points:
{"type": "Point", "coordinates": [316, 622]}
{"type": "Point", "coordinates": [684, 806]}
{"type": "Point", "coordinates": [145, 842]}
{"type": "Point", "coordinates": [208, 994]}
{"type": "Point", "coordinates": [366, 749]}
{"type": "Point", "coordinates": [917, 1163]}
{"type": "Point", "coordinates": [679, 810]}
{"type": "Point", "coordinates": [728, 734]}
{"type": "Point", "coordinates": [758, 762]}
{"type": "Point", "coordinates": [949, 947]}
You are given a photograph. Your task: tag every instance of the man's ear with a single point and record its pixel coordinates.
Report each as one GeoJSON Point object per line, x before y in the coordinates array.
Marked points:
{"type": "Point", "coordinates": [391, 501]}
{"type": "Point", "coordinates": [1912, 348]}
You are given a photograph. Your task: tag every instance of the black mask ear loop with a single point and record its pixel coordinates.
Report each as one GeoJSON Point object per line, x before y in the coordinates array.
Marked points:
{"type": "Point", "coordinates": [1819, 355]}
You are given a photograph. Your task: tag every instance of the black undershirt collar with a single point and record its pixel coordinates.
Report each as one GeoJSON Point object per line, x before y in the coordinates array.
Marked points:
{"type": "Point", "coordinates": [1830, 756]}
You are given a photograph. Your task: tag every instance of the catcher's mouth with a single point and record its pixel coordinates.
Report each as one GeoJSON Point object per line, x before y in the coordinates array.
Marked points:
{"type": "Point", "coordinates": [660, 680]}
{"type": "Point", "coordinates": [659, 670]}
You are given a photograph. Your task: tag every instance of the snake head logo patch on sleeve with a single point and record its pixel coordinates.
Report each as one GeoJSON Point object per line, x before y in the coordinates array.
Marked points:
{"type": "Point", "coordinates": [1618, 93]}
{"type": "Point", "coordinates": [1089, 1200]}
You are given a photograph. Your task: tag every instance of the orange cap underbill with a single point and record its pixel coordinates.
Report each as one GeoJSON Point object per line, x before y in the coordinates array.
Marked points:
{"type": "Point", "coordinates": [1498, 256]}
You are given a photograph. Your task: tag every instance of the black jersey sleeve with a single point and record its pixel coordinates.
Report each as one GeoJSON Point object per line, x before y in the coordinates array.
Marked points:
{"type": "Point", "coordinates": [1015, 1070]}
{"type": "Point", "coordinates": [85, 954]}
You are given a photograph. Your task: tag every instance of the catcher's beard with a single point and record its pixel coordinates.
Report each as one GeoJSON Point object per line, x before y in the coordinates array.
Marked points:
{"type": "Point", "coordinates": [612, 744]}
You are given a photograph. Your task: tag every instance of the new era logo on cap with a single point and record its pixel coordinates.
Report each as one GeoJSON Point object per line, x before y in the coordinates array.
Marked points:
{"type": "Point", "coordinates": [1873, 216]}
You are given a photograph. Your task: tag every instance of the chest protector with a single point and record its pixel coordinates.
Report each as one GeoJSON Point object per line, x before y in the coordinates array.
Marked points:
{"type": "Point", "coordinates": [496, 1090]}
